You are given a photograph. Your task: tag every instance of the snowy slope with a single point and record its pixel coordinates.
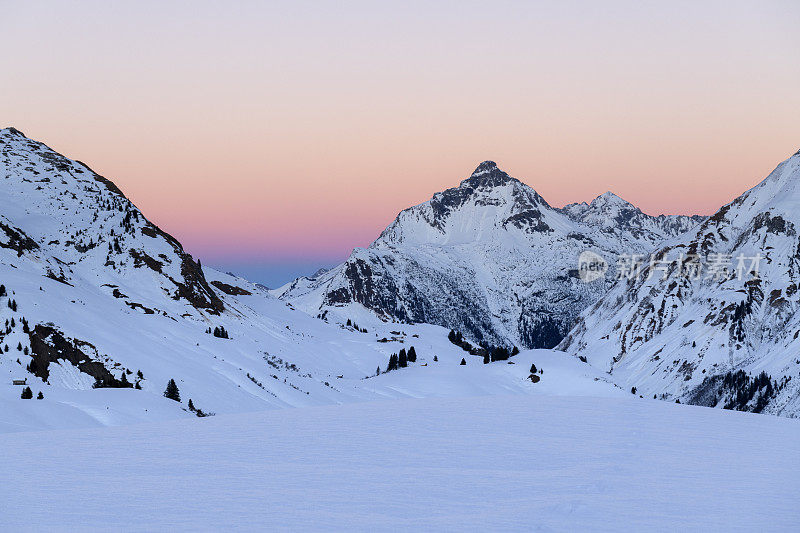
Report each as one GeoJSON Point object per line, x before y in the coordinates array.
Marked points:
{"type": "Point", "coordinates": [474, 464]}
{"type": "Point", "coordinates": [688, 337]}
{"type": "Point", "coordinates": [96, 294]}
{"type": "Point", "coordinates": [490, 258]}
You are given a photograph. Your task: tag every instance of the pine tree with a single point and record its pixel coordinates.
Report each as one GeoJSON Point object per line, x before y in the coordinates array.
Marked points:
{"type": "Point", "coordinates": [452, 336]}
{"type": "Point", "coordinates": [500, 354]}
{"type": "Point", "coordinates": [378, 371]}
{"type": "Point", "coordinates": [191, 405]}
{"type": "Point", "coordinates": [40, 396]}
{"type": "Point", "coordinates": [515, 351]}
{"type": "Point", "coordinates": [27, 393]}
{"type": "Point", "coordinates": [349, 322]}
{"type": "Point", "coordinates": [463, 362]}
{"type": "Point", "coordinates": [172, 391]}
{"type": "Point", "coordinates": [403, 358]}
{"type": "Point", "coordinates": [392, 363]}
{"type": "Point", "coordinates": [435, 358]}
{"type": "Point", "coordinates": [486, 359]}
{"type": "Point", "coordinates": [124, 381]}
{"type": "Point", "coordinates": [412, 355]}
{"type": "Point", "coordinates": [533, 368]}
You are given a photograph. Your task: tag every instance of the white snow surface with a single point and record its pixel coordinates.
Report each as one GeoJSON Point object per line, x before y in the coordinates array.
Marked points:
{"type": "Point", "coordinates": [460, 464]}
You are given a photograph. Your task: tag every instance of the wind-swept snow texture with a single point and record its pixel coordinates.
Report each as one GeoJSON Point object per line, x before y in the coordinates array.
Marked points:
{"type": "Point", "coordinates": [473, 464]}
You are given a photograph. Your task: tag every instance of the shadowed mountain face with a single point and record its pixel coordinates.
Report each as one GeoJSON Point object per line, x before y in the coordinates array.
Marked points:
{"type": "Point", "coordinates": [715, 320]}
{"type": "Point", "coordinates": [490, 258]}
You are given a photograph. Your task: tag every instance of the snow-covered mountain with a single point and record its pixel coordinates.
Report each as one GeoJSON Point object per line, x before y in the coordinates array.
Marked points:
{"type": "Point", "coordinates": [101, 308]}
{"type": "Point", "coordinates": [490, 258]}
{"type": "Point", "coordinates": [711, 310]}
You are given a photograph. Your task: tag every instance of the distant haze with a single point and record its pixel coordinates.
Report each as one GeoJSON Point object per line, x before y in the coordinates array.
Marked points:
{"type": "Point", "coordinates": [285, 133]}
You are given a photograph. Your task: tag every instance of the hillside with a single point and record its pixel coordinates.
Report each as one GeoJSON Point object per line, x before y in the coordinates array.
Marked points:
{"type": "Point", "coordinates": [723, 336]}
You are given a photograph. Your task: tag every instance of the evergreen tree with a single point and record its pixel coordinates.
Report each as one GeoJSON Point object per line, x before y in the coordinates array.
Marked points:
{"type": "Point", "coordinates": [378, 371]}
{"type": "Point", "coordinates": [463, 362]}
{"type": "Point", "coordinates": [633, 390]}
{"type": "Point", "coordinates": [486, 359]}
{"type": "Point", "coordinates": [172, 391]}
{"type": "Point", "coordinates": [452, 336]}
{"type": "Point", "coordinates": [392, 363]}
{"type": "Point", "coordinates": [27, 393]}
{"type": "Point", "coordinates": [435, 358]}
{"type": "Point", "coordinates": [533, 368]}
{"type": "Point", "coordinates": [499, 354]}
{"type": "Point", "coordinates": [349, 323]}
{"type": "Point", "coordinates": [191, 405]}
{"type": "Point", "coordinates": [515, 351]}
{"type": "Point", "coordinates": [403, 358]}
{"type": "Point", "coordinates": [412, 355]}
{"type": "Point", "coordinates": [124, 381]}
{"type": "Point", "coordinates": [40, 396]}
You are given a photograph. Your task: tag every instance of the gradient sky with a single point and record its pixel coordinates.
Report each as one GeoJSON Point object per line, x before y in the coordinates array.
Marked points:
{"type": "Point", "coordinates": [273, 137]}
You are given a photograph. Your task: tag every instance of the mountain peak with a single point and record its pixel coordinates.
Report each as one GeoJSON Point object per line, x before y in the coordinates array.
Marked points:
{"type": "Point", "coordinates": [13, 131]}
{"type": "Point", "coordinates": [609, 198]}
{"type": "Point", "coordinates": [487, 174]}
{"type": "Point", "coordinates": [485, 168]}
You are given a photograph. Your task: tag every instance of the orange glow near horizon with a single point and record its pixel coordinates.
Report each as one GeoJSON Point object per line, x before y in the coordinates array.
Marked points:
{"type": "Point", "coordinates": [283, 130]}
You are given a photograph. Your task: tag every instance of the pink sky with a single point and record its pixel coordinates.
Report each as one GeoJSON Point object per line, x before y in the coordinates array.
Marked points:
{"type": "Point", "coordinates": [280, 131]}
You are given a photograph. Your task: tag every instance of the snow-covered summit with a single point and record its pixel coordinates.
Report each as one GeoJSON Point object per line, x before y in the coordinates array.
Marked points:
{"type": "Point", "coordinates": [76, 223]}
{"type": "Point", "coordinates": [489, 257]}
